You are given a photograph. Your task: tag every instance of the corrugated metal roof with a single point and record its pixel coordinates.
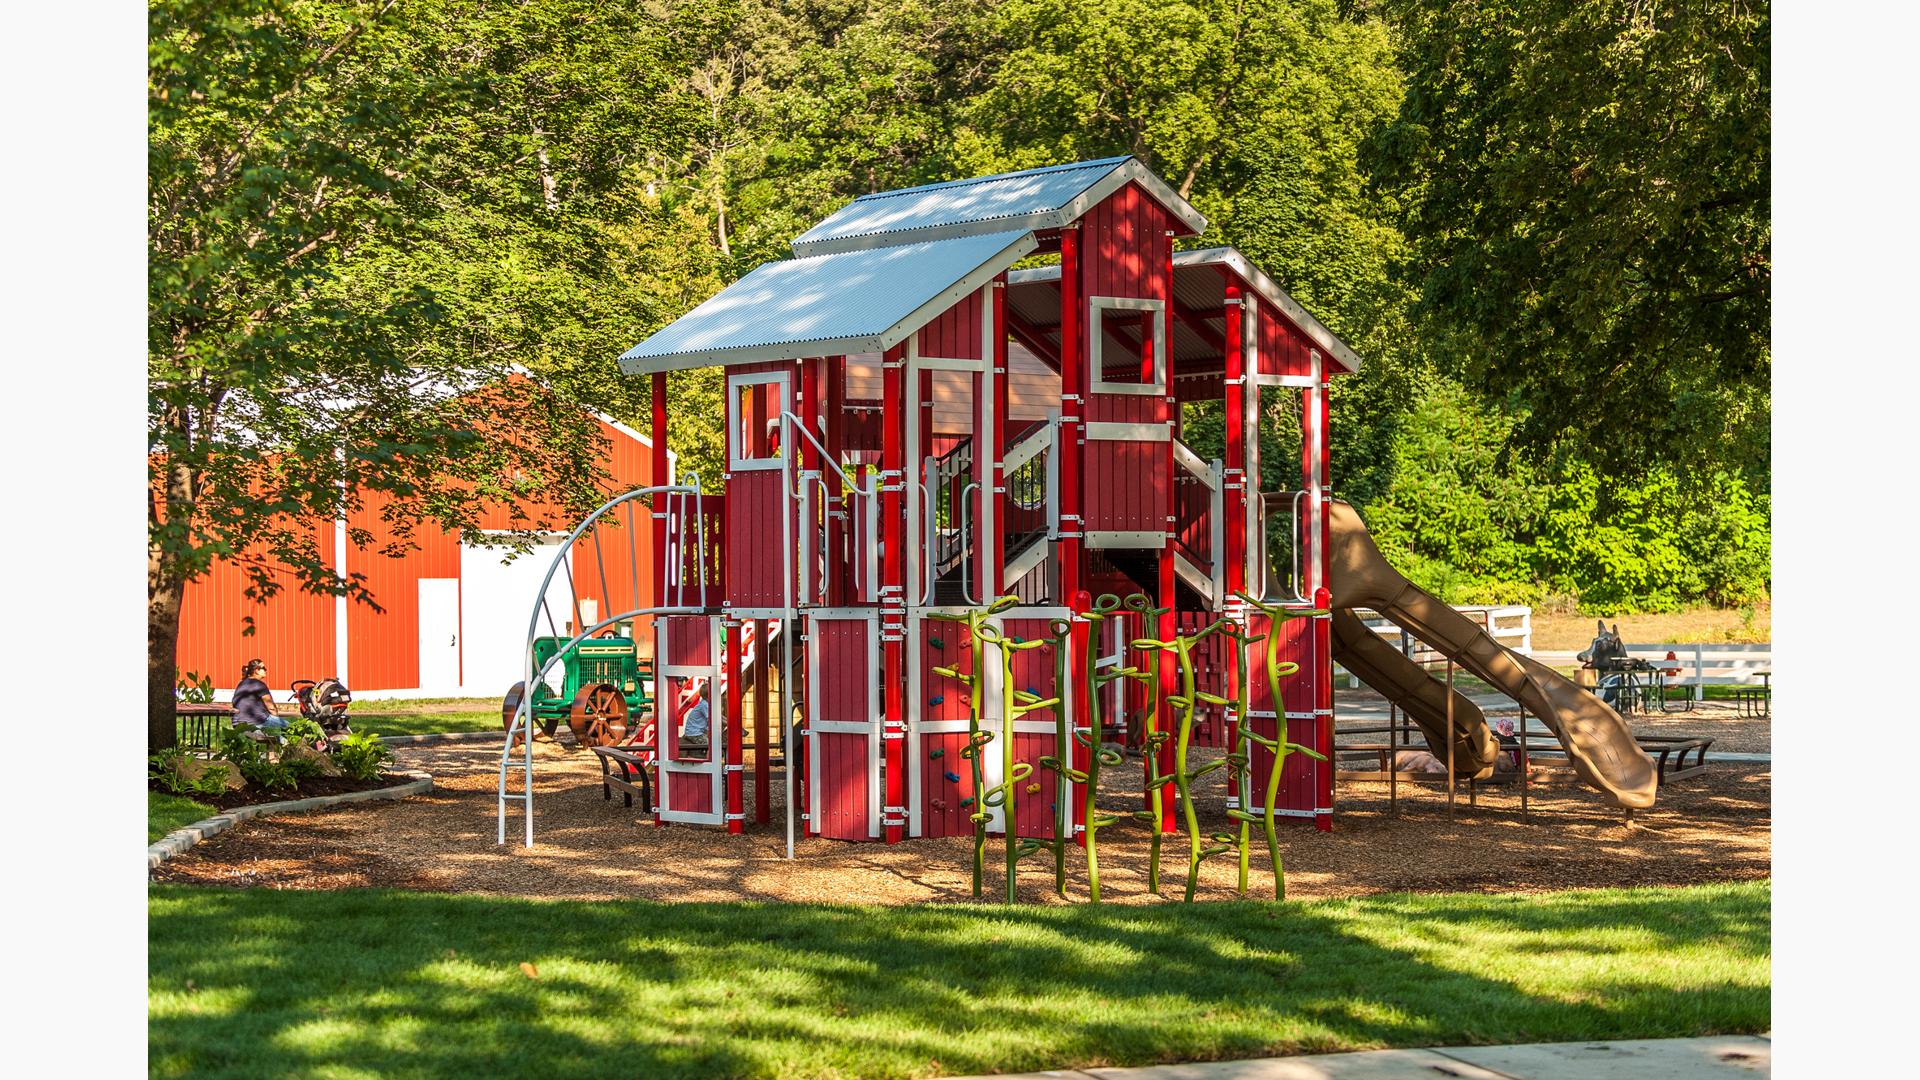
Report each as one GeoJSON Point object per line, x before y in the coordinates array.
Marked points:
{"type": "Point", "coordinates": [1036, 199]}
{"type": "Point", "coordinates": [1233, 259]}
{"type": "Point", "coordinates": [828, 305]}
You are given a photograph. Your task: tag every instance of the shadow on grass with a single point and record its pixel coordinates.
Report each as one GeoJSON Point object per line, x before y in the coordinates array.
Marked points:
{"type": "Point", "coordinates": [394, 984]}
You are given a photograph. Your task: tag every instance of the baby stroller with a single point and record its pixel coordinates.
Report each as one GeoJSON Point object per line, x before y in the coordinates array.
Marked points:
{"type": "Point", "coordinates": [325, 703]}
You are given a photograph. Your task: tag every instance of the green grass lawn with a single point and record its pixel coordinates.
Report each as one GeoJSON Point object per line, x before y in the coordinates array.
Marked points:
{"type": "Point", "coordinates": [166, 813]}
{"type": "Point", "coordinates": [396, 984]}
{"type": "Point", "coordinates": [424, 723]}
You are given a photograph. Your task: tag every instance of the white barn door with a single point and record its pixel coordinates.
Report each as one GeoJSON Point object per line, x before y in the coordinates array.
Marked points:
{"type": "Point", "coordinates": [440, 635]}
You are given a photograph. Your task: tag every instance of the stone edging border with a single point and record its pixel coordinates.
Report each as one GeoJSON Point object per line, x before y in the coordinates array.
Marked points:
{"type": "Point", "coordinates": [186, 836]}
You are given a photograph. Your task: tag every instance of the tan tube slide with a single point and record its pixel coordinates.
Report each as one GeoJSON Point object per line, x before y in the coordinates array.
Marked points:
{"type": "Point", "coordinates": [1424, 698]}
{"type": "Point", "coordinates": [1597, 740]}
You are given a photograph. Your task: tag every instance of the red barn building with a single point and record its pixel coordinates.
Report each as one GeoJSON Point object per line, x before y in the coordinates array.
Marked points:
{"type": "Point", "coordinates": [453, 618]}
{"type": "Point", "coordinates": [915, 428]}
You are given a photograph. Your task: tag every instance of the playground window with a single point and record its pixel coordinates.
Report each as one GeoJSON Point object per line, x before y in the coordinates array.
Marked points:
{"type": "Point", "coordinates": [1128, 351]}
{"type": "Point", "coordinates": [754, 404]}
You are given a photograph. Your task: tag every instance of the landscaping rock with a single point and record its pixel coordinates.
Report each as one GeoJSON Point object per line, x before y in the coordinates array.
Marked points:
{"type": "Point", "coordinates": [296, 752]}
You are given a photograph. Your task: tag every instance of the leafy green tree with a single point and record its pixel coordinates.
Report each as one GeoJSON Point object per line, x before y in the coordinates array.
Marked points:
{"type": "Point", "coordinates": [363, 218]}
{"type": "Point", "coordinates": [1587, 194]}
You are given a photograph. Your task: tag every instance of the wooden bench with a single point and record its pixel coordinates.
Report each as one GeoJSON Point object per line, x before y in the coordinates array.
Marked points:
{"type": "Point", "coordinates": [632, 769]}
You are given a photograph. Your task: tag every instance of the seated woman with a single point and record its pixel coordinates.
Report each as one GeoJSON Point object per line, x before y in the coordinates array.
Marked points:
{"type": "Point", "coordinates": [253, 700]}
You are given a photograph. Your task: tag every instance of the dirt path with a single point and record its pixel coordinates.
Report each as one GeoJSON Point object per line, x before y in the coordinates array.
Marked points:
{"type": "Point", "coordinates": [1712, 827]}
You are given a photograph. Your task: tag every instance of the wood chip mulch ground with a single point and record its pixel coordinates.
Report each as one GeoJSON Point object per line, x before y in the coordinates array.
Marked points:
{"type": "Point", "coordinates": [1714, 826]}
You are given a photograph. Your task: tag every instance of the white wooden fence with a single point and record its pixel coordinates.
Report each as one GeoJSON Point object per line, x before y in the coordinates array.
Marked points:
{"type": "Point", "coordinates": [1700, 665]}
{"type": "Point", "coordinates": [1511, 625]}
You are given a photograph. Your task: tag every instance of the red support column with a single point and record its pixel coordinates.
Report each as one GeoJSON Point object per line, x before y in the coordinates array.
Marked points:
{"type": "Point", "coordinates": [995, 352]}
{"type": "Point", "coordinates": [839, 591]}
{"type": "Point", "coordinates": [762, 715]}
{"type": "Point", "coordinates": [1072, 448]}
{"type": "Point", "coordinates": [1169, 622]}
{"type": "Point", "coordinates": [658, 475]}
{"type": "Point", "coordinates": [1081, 638]}
{"type": "Point", "coordinates": [735, 805]}
{"type": "Point", "coordinates": [1234, 482]}
{"type": "Point", "coordinates": [893, 612]}
{"type": "Point", "coordinates": [1239, 494]}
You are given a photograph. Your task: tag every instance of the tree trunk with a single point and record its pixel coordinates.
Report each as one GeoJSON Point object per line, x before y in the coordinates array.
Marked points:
{"type": "Point", "coordinates": [164, 593]}
{"type": "Point", "coordinates": [166, 587]}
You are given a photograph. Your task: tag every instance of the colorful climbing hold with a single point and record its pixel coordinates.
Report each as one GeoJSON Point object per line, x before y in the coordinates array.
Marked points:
{"type": "Point", "coordinates": [937, 752]}
{"type": "Point", "coordinates": [938, 643]}
{"type": "Point", "coordinates": [964, 803]}
{"type": "Point", "coordinates": [1033, 789]}
{"type": "Point", "coordinates": [952, 777]}
{"type": "Point", "coordinates": [937, 699]}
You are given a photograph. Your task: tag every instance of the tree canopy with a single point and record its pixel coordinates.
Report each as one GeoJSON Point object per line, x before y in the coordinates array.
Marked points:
{"type": "Point", "coordinates": [1588, 203]}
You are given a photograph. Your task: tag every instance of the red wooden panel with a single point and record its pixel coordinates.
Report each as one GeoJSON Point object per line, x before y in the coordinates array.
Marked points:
{"type": "Point", "coordinates": [1033, 672]}
{"type": "Point", "coordinates": [754, 558]}
{"type": "Point", "coordinates": [293, 632]}
{"type": "Point", "coordinates": [955, 332]}
{"type": "Point", "coordinates": [1126, 486]}
{"type": "Point", "coordinates": [845, 677]}
{"type": "Point", "coordinates": [689, 793]}
{"type": "Point", "coordinates": [1299, 783]}
{"type": "Point", "coordinates": [689, 640]}
{"type": "Point", "coordinates": [1284, 349]}
{"type": "Point", "coordinates": [383, 647]}
{"type": "Point", "coordinates": [946, 778]}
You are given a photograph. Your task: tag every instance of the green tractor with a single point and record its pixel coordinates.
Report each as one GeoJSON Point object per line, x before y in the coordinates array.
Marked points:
{"type": "Point", "coordinates": [604, 686]}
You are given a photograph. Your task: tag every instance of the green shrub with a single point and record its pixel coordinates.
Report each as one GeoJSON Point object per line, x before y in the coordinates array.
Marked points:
{"type": "Point", "coordinates": [361, 754]}
{"type": "Point", "coordinates": [192, 687]}
{"type": "Point", "coordinates": [304, 731]}
{"type": "Point", "coordinates": [169, 768]}
{"type": "Point", "coordinates": [1472, 524]}
{"type": "Point", "coordinates": [263, 768]}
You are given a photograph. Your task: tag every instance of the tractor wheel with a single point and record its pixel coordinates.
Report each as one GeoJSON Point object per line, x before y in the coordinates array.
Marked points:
{"type": "Point", "coordinates": [511, 705]}
{"type": "Point", "coordinates": [599, 715]}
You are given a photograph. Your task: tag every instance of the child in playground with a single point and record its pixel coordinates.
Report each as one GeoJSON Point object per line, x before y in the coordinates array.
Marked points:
{"type": "Point", "coordinates": [694, 735]}
{"type": "Point", "coordinates": [253, 700]}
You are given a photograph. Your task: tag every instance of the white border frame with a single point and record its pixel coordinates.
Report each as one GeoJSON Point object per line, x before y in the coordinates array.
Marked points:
{"type": "Point", "coordinates": [1097, 383]}
{"type": "Point", "coordinates": [736, 463]}
{"type": "Point", "coordinates": [873, 728]}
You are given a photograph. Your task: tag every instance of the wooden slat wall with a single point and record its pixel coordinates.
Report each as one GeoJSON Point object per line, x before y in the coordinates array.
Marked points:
{"type": "Point", "coordinates": [1033, 672]}
{"type": "Point", "coordinates": [1298, 784]}
{"type": "Point", "coordinates": [293, 632]}
{"type": "Point", "coordinates": [845, 683]}
{"type": "Point", "coordinates": [383, 647]}
{"type": "Point", "coordinates": [1125, 255]}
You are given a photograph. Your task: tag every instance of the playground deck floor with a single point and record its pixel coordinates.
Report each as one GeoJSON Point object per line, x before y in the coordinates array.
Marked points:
{"type": "Point", "coordinates": [1711, 827]}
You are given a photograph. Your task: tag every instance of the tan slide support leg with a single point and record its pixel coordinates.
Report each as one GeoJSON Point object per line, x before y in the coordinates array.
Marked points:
{"type": "Point", "coordinates": [1424, 698]}
{"type": "Point", "coordinates": [1598, 742]}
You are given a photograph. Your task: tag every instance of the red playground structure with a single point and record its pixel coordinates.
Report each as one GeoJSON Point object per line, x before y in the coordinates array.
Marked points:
{"type": "Point", "coordinates": [915, 429]}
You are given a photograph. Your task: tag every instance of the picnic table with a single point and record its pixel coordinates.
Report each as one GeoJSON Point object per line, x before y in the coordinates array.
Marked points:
{"type": "Point", "coordinates": [197, 723]}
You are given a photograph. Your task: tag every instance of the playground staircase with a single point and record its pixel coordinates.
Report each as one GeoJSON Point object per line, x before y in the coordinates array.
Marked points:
{"type": "Point", "coordinates": [1026, 546]}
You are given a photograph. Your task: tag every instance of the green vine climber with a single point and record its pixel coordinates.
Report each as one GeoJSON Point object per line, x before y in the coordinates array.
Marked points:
{"type": "Point", "coordinates": [1098, 756]}
{"type": "Point", "coordinates": [1187, 702]}
{"type": "Point", "coordinates": [1278, 746]}
{"type": "Point", "coordinates": [977, 739]}
{"type": "Point", "coordinates": [1151, 740]}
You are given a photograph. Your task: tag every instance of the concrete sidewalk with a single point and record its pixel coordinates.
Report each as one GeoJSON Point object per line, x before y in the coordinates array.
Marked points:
{"type": "Point", "coordinates": [1715, 1057]}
